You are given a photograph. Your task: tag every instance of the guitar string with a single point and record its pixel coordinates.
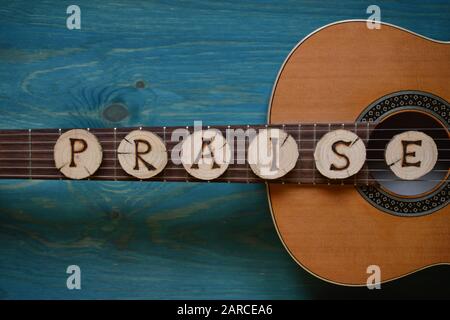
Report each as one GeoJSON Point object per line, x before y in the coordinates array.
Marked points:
{"type": "Point", "coordinates": [170, 150]}
{"type": "Point", "coordinates": [43, 153]}
{"type": "Point", "coordinates": [171, 142]}
{"type": "Point", "coordinates": [235, 159]}
{"type": "Point", "coordinates": [229, 169]}
{"type": "Point", "coordinates": [50, 158]}
{"type": "Point", "coordinates": [99, 131]}
{"type": "Point", "coordinates": [221, 178]}
{"type": "Point", "coordinates": [179, 167]}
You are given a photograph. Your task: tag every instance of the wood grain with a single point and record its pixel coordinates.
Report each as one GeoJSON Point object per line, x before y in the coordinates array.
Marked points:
{"type": "Point", "coordinates": [273, 153]}
{"type": "Point", "coordinates": [205, 154]}
{"type": "Point", "coordinates": [161, 63]}
{"type": "Point", "coordinates": [423, 158]}
{"type": "Point", "coordinates": [141, 154]}
{"type": "Point", "coordinates": [77, 154]}
{"type": "Point", "coordinates": [340, 154]}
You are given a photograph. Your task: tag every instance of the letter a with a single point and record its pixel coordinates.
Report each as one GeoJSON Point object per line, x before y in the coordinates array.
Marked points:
{"type": "Point", "coordinates": [74, 280]}
{"type": "Point", "coordinates": [74, 20]}
{"type": "Point", "coordinates": [374, 280]}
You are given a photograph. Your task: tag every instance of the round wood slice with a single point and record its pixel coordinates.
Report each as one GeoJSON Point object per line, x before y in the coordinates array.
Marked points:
{"type": "Point", "coordinates": [272, 153]}
{"type": "Point", "coordinates": [205, 154]}
{"type": "Point", "coordinates": [87, 154]}
{"type": "Point", "coordinates": [411, 154]}
{"type": "Point", "coordinates": [142, 154]}
{"type": "Point", "coordinates": [339, 154]}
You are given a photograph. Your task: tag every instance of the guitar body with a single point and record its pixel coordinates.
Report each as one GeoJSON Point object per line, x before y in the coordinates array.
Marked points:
{"type": "Point", "coordinates": [335, 73]}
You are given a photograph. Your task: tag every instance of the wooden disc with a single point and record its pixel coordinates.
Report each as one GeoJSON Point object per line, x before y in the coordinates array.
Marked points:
{"type": "Point", "coordinates": [272, 153]}
{"type": "Point", "coordinates": [142, 154]}
{"type": "Point", "coordinates": [205, 154]}
{"type": "Point", "coordinates": [77, 154]}
{"type": "Point", "coordinates": [339, 154]}
{"type": "Point", "coordinates": [411, 154]}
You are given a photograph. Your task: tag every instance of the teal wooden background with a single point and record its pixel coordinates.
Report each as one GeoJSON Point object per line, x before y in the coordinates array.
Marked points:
{"type": "Point", "coordinates": [214, 61]}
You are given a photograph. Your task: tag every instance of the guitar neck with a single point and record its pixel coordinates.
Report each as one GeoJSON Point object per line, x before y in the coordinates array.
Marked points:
{"type": "Point", "coordinates": [29, 154]}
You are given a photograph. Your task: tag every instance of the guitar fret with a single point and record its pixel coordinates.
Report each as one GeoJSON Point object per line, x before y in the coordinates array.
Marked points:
{"type": "Point", "coordinates": [186, 174]}
{"type": "Point", "coordinates": [29, 154]}
{"type": "Point", "coordinates": [314, 163]}
{"type": "Point", "coordinates": [246, 143]}
{"type": "Point", "coordinates": [329, 130]}
{"type": "Point", "coordinates": [60, 133]}
{"type": "Point", "coordinates": [163, 174]}
{"type": "Point", "coordinates": [299, 148]}
{"type": "Point", "coordinates": [115, 156]}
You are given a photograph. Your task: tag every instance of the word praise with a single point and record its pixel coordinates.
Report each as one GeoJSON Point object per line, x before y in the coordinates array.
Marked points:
{"type": "Point", "coordinates": [271, 153]}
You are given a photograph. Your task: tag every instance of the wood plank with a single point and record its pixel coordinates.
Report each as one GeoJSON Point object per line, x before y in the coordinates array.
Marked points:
{"type": "Point", "coordinates": [199, 60]}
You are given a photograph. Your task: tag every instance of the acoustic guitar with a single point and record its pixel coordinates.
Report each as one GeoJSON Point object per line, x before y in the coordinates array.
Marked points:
{"type": "Point", "coordinates": [355, 154]}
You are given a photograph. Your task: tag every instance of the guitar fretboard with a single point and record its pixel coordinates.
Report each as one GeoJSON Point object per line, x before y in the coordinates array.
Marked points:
{"type": "Point", "coordinates": [28, 154]}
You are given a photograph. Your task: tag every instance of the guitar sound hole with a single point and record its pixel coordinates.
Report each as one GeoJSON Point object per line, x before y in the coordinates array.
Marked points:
{"type": "Point", "coordinates": [397, 123]}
